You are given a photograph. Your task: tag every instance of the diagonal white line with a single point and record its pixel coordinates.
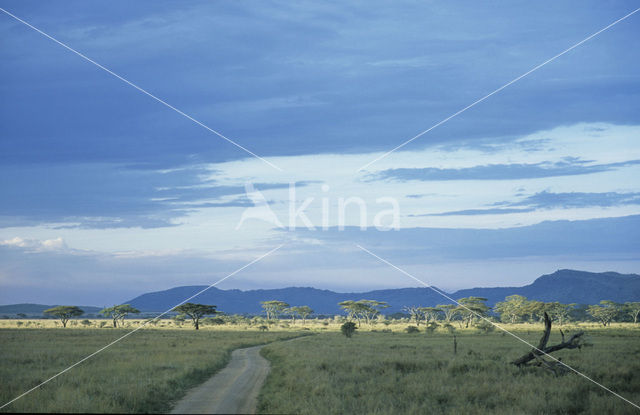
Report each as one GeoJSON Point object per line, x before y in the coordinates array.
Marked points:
{"type": "Point", "coordinates": [498, 90]}
{"type": "Point", "coordinates": [142, 325]}
{"type": "Point", "coordinates": [494, 324]}
{"type": "Point", "coordinates": [141, 89]}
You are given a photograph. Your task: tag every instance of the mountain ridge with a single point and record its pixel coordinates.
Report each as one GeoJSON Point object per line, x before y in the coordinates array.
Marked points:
{"type": "Point", "coordinates": [563, 285]}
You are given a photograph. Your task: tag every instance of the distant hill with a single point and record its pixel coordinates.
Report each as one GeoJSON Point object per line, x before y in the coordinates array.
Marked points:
{"type": "Point", "coordinates": [567, 286]}
{"type": "Point", "coordinates": [37, 309]}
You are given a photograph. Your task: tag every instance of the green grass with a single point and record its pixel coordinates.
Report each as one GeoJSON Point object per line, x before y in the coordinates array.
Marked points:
{"type": "Point", "coordinates": [374, 372]}
{"type": "Point", "coordinates": [146, 372]}
{"type": "Point", "coordinates": [391, 373]}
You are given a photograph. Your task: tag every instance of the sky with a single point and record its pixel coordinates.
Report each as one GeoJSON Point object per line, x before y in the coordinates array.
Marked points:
{"type": "Point", "coordinates": [107, 193]}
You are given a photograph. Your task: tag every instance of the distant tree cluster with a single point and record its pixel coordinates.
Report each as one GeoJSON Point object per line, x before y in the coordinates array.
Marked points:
{"type": "Point", "coordinates": [118, 313]}
{"type": "Point", "coordinates": [275, 308]}
{"type": "Point", "coordinates": [365, 310]}
{"type": "Point", "coordinates": [609, 311]}
{"type": "Point", "coordinates": [517, 308]}
{"type": "Point", "coordinates": [468, 311]}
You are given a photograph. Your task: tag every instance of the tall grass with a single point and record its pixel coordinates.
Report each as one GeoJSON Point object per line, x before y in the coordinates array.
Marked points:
{"type": "Point", "coordinates": [146, 372]}
{"type": "Point", "coordinates": [391, 373]}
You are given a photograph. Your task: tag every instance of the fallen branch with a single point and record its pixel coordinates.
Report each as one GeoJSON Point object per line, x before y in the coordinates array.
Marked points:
{"type": "Point", "coordinates": [558, 368]}
{"type": "Point", "coordinates": [574, 342]}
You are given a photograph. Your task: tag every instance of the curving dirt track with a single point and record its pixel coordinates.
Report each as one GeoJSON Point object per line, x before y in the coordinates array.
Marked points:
{"type": "Point", "coordinates": [233, 390]}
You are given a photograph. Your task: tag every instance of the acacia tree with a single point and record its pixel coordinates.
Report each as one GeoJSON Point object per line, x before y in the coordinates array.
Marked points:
{"type": "Point", "coordinates": [512, 308]}
{"type": "Point", "coordinates": [291, 312]}
{"type": "Point", "coordinates": [65, 312]}
{"type": "Point", "coordinates": [196, 311]}
{"type": "Point", "coordinates": [352, 308]}
{"type": "Point", "coordinates": [471, 307]}
{"type": "Point", "coordinates": [371, 308]}
{"type": "Point", "coordinates": [363, 309]}
{"type": "Point", "coordinates": [303, 311]}
{"type": "Point", "coordinates": [415, 312]}
{"type": "Point", "coordinates": [633, 309]}
{"type": "Point", "coordinates": [119, 312]}
{"type": "Point", "coordinates": [273, 308]}
{"type": "Point", "coordinates": [450, 311]}
{"type": "Point", "coordinates": [535, 310]}
{"type": "Point", "coordinates": [604, 313]}
{"type": "Point", "coordinates": [558, 311]}
{"type": "Point", "coordinates": [430, 313]}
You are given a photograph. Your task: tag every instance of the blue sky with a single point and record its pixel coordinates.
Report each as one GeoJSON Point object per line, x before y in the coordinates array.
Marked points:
{"type": "Point", "coordinates": [113, 194]}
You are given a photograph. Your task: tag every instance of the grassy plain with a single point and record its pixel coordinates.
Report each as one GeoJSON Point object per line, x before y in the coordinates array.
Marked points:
{"type": "Point", "coordinates": [391, 373]}
{"type": "Point", "coordinates": [374, 372]}
{"type": "Point", "coordinates": [144, 373]}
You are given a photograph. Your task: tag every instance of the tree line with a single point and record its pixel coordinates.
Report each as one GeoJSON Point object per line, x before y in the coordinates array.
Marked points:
{"type": "Point", "coordinates": [514, 309]}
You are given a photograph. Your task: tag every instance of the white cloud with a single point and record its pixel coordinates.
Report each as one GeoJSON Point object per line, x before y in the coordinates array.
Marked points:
{"type": "Point", "coordinates": [594, 143]}
{"type": "Point", "coordinates": [57, 244]}
{"type": "Point", "coordinates": [212, 229]}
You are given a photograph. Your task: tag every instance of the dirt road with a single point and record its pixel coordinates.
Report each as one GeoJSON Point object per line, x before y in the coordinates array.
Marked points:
{"type": "Point", "coordinates": [233, 390]}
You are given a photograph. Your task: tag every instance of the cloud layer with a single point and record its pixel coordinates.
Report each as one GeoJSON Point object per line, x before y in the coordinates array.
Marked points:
{"type": "Point", "coordinates": [104, 187]}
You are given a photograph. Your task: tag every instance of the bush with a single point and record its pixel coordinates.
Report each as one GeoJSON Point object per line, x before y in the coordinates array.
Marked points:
{"type": "Point", "coordinates": [348, 328]}
{"type": "Point", "coordinates": [214, 321]}
{"type": "Point", "coordinates": [412, 329]}
{"type": "Point", "coordinates": [431, 327]}
{"type": "Point", "coordinates": [85, 322]}
{"type": "Point", "coordinates": [485, 327]}
{"type": "Point", "coordinates": [449, 327]}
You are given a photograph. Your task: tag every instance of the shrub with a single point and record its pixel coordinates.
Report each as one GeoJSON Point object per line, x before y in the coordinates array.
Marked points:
{"type": "Point", "coordinates": [431, 327]}
{"type": "Point", "coordinates": [485, 327]}
{"type": "Point", "coordinates": [214, 321]}
{"type": "Point", "coordinates": [85, 322]}
{"type": "Point", "coordinates": [412, 329]}
{"type": "Point", "coordinates": [348, 328]}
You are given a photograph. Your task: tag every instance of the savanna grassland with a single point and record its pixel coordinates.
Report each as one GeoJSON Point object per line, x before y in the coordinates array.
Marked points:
{"type": "Point", "coordinates": [146, 372]}
{"type": "Point", "coordinates": [380, 370]}
{"type": "Point", "coordinates": [391, 373]}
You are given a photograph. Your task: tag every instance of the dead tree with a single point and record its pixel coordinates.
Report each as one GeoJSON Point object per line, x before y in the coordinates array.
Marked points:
{"type": "Point", "coordinates": [537, 354]}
